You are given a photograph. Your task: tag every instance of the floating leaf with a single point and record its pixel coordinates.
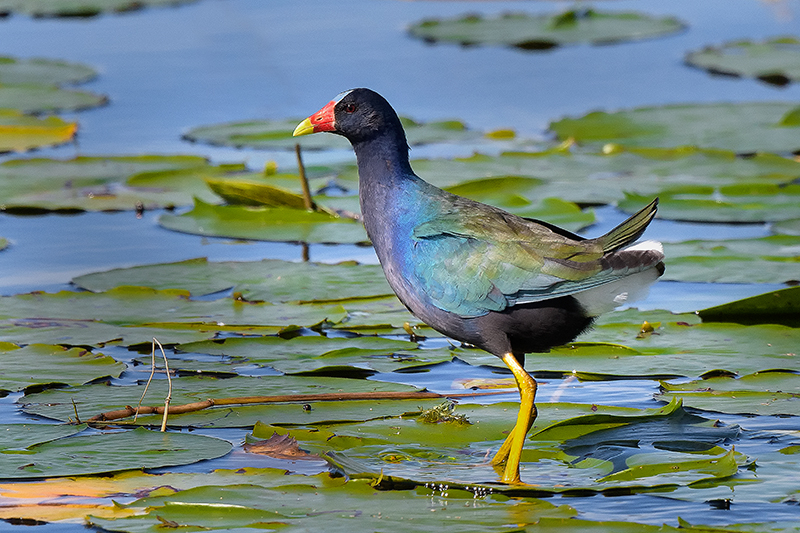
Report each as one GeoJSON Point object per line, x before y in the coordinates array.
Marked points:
{"type": "Point", "coordinates": [538, 32]}
{"type": "Point", "coordinates": [47, 99]}
{"type": "Point", "coordinates": [20, 132]}
{"type": "Point", "coordinates": [3, 243]}
{"type": "Point", "coordinates": [277, 134]}
{"type": "Point", "coordinates": [762, 393]}
{"type": "Point", "coordinates": [271, 280]}
{"type": "Point", "coordinates": [79, 8]}
{"type": "Point", "coordinates": [46, 365]}
{"type": "Point", "coordinates": [107, 183]}
{"type": "Point", "coordinates": [787, 227]}
{"type": "Point", "coordinates": [265, 224]}
{"type": "Point", "coordinates": [781, 306]}
{"type": "Point", "coordinates": [763, 260]}
{"type": "Point", "coordinates": [775, 61]}
{"type": "Point", "coordinates": [754, 202]}
{"type": "Point", "coordinates": [314, 353]}
{"type": "Point", "coordinates": [743, 128]}
{"type": "Point", "coordinates": [14, 71]}
{"type": "Point", "coordinates": [107, 452]}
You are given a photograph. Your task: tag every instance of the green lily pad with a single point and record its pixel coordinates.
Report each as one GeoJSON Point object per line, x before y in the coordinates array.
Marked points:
{"type": "Point", "coordinates": [265, 224]}
{"type": "Point", "coordinates": [787, 227]}
{"type": "Point", "coordinates": [14, 71]}
{"type": "Point", "coordinates": [277, 134]}
{"type": "Point", "coordinates": [108, 183]}
{"type": "Point", "coordinates": [763, 260]}
{"type": "Point", "coordinates": [106, 452]}
{"type": "Point", "coordinates": [762, 393]}
{"type": "Point", "coordinates": [679, 346]}
{"type": "Point", "coordinates": [134, 314]}
{"type": "Point", "coordinates": [313, 353]}
{"type": "Point", "coordinates": [3, 243]}
{"type": "Point", "coordinates": [781, 306]}
{"type": "Point", "coordinates": [536, 32]}
{"type": "Point", "coordinates": [47, 99]}
{"type": "Point", "coordinates": [743, 128]}
{"type": "Point", "coordinates": [20, 132]}
{"type": "Point", "coordinates": [270, 280]}
{"type": "Point", "coordinates": [79, 8]}
{"type": "Point", "coordinates": [590, 177]}
{"type": "Point", "coordinates": [775, 61]}
{"type": "Point", "coordinates": [754, 202]}
{"type": "Point", "coordinates": [91, 400]}
{"type": "Point", "coordinates": [41, 365]}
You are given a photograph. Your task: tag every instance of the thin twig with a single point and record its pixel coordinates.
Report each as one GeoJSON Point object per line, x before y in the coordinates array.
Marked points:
{"type": "Point", "coordinates": [152, 373]}
{"type": "Point", "coordinates": [169, 390]}
{"type": "Point", "coordinates": [295, 398]}
{"type": "Point", "coordinates": [307, 201]}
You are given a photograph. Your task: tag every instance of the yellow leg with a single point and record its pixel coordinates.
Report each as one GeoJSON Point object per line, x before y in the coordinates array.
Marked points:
{"type": "Point", "coordinates": [511, 450]}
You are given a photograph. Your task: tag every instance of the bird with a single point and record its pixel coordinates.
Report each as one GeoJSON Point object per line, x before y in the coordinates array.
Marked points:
{"type": "Point", "coordinates": [477, 274]}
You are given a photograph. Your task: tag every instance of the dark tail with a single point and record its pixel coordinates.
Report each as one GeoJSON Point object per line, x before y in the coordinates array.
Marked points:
{"type": "Point", "coordinates": [630, 230]}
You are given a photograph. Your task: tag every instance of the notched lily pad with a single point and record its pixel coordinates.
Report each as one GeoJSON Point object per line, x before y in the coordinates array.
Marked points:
{"type": "Point", "coordinates": [743, 128]}
{"type": "Point", "coordinates": [42, 366]}
{"type": "Point", "coordinates": [541, 32]}
{"type": "Point", "coordinates": [774, 61]}
{"type": "Point", "coordinates": [265, 224]}
{"type": "Point", "coordinates": [20, 132]}
{"type": "Point", "coordinates": [277, 134]}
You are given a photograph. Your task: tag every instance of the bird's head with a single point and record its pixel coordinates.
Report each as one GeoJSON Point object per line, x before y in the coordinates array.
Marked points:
{"type": "Point", "coordinates": [357, 114]}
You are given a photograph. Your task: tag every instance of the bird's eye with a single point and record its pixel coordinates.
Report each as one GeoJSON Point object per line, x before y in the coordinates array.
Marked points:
{"type": "Point", "coordinates": [349, 108]}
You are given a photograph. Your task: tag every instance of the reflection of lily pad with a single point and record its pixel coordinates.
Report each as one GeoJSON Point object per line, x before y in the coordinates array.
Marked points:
{"type": "Point", "coordinates": [277, 134]}
{"type": "Point", "coordinates": [47, 99]}
{"type": "Point", "coordinates": [107, 183]}
{"type": "Point", "coordinates": [265, 224]}
{"type": "Point", "coordinates": [20, 132]}
{"type": "Point", "coordinates": [271, 280]}
{"type": "Point", "coordinates": [536, 32]}
{"type": "Point", "coordinates": [107, 452]}
{"type": "Point", "coordinates": [79, 8]}
{"type": "Point", "coordinates": [40, 364]}
{"type": "Point", "coordinates": [743, 128]}
{"type": "Point", "coordinates": [755, 202]}
{"type": "Point", "coordinates": [775, 61]}
{"type": "Point", "coordinates": [37, 71]}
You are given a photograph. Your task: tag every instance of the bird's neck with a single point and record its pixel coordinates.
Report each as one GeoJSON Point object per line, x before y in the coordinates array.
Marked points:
{"type": "Point", "coordinates": [383, 160]}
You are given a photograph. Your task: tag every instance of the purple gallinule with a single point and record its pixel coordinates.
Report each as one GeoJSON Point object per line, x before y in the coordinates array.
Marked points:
{"type": "Point", "coordinates": [476, 273]}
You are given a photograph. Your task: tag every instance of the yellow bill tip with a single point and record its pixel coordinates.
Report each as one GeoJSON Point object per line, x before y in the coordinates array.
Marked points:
{"type": "Point", "coordinates": [304, 128]}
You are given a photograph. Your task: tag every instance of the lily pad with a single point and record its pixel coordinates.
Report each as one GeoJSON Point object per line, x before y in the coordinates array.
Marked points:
{"type": "Point", "coordinates": [14, 71]}
{"type": "Point", "coordinates": [763, 260]}
{"type": "Point", "coordinates": [3, 243]}
{"type": "Point", "coordinates": [270, 280]}
{"type": "Point", "coordinates": [538, 32]}
{"type": "Point", "coordinates": [47, 99]}
{"type": "Point", "coordinates": [20, 132]}
{"type": "Point", "coordinates": [754, 202]}
{"type": "Point", "coordinates": [787, 227]}
{"type": "Point", "coordinates": [41, 365]}
{"type": "Point", "coordinates": [314, 353]}
{"type": "Point", "coordinates": [743, 128]}
{"type": "Point", "coordinates": [775, 61]}
{"type": "Point", "coordinates": [79, 8]}
{"type": "Point", "coordinates": [107, 183]}
{"type": "Point", "coordinates": [277, 134]}
{"type": "Point", "coordinates": [593, 177]}
{"type": "Point", "coordinates": [106, 452]}
{"type": "Point", "coordinates": [265, 224]}
{"type": "Point", "coordinates": [781, 306]}
{"type": "Point", "coordinates": [762, 393]}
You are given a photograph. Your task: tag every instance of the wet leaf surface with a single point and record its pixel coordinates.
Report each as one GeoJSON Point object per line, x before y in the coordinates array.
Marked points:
{"type": "Point", "coordinates": [20, 132]}
{"type": "Point", "coordinates": [775, 61]}
{"type": "Point", "coordinates": [541, 32]}
{"type": "Point", "coordinates": [743, 128]}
